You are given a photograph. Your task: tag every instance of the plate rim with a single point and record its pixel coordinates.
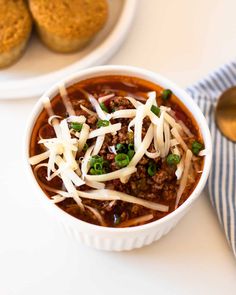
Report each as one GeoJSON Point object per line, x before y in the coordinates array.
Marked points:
{"type": "Point", "coordinates": [14, 89]}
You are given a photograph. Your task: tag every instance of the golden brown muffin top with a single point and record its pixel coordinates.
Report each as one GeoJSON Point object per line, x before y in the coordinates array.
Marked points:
{"type": "Point", "coordinates": [70, 18]}
{"type": "Point", "coordinates": [15, 24]}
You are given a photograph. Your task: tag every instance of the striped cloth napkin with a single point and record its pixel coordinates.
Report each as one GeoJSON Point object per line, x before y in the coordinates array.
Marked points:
{"type": "Point", "coordinates": [222, 179]}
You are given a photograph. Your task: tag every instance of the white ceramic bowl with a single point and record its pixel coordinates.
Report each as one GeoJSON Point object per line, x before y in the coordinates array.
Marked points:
{"type": "Point", "coordinates": [119, 239]}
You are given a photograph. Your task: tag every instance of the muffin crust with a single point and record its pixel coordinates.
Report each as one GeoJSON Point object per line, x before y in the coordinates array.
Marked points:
{"type": "Point", "coordinates": [15, 29]}
{"type": "Point", "coordinates": [68, 25]}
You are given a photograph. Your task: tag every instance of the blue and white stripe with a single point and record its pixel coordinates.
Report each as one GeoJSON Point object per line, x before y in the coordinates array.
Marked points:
{"type": "Point", "coordinates": [222, 179]}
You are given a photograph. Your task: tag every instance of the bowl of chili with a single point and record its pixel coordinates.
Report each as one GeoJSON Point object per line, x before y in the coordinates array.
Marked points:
{"type": "Point", "coordinates": [118, 154]}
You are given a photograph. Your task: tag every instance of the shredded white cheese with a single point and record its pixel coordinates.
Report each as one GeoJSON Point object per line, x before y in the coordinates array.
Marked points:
{"type": "Point", "coordinates": [154, 119]}
{"type": "Point", "coordinates": [104, 130]}
{"type": "Point", "coordinates": [106, 97]}
{"type": "Point", "coordinates": [39, 158]}
{"type": "Point", "coordinates": [178, 137]}
{"type": "Point", "coordinates": [77, 119]}
{"type": "Point", "coordinates": [184, 178]}
{"type": "Point", "coordinates": [50, 119]}
{"type": "Point", "coordinates": [180, 166]}
{"type": "Point", "coordinates": [65, 132]}
{"type": "Point", "coordinates": [55, 122]}
{"type": "Point", "coordinates": [159, 136]}
{"type": "Point", "coordinates": [101, 114]}
{"type": "Point", "coordinates": [138, 124]}
{"type": "Point", "coordinates": [85, 161]}
{"type": "Point", "coordinates": [112, 175]}
{"type": "Point", "coordinates": [185, 128]}
{"type": "Point", "coordinates": [142, 148]}
{"type": "Point", "coordinates": [88, 111]}
{"type": "Point", "coordinates": [130, 113]}
{"type": "Point", "coordinates": [84, 134]}
{"type": "Point", "coordinates": [57, 199]}
{"type": "Point", "coordinates": [134, 102]}
{"type": "Point", "coordinates": [51, 161]}
{"type": "Point", "coordinates": [68, 153]}
{"type": "Point", "coordinates": [136, 221]}
{"type": "Point", "coordinates": [203, 153]}
{"type": "Point", "coordinates": [171, 121]}
{"type": "Point", "coordinates": [98, 144]}
{"type": "Point", "coordinates": [96, 214]}
{"type": "Point", "coordinates": [108, 195]}
{"type": "Point", "coordinates": [66, 100]}
{"type": "Point", "coordinates": [167, 138]}
{"type": "Point", "coordinates": [131, 124]}
{"type": "Point", "coordinates": [180, 169]}
{"type": "Point", "coordinates": [68, 172]}
{"type": "Point", "coordinates": [95, 184]}
{"type": "Point", "coordinates": [173, 142]}
{"type": "Point", "coordinates": [152, 155]}
{"type": "Point", "coordinates": [151, 99]}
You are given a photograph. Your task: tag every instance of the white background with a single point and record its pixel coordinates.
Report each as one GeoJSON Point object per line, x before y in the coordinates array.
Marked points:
{"type": "Point", "coordinates": [182, 39]}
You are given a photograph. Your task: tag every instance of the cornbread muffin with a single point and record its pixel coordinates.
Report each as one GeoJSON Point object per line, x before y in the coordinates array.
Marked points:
{"type": "Point", "coordinates": [15, 29]}
{"type": "Point", "coordinates": [68, 25]}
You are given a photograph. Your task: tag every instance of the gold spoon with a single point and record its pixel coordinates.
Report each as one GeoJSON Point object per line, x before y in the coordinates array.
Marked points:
{"type": "Point", "coordinates": [225, 113]}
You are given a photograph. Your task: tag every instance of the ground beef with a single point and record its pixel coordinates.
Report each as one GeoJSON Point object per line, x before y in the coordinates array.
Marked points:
{"type": "Point", "coordinates": [91, 119]}
{"type": "Point", "coordinates": [120, 103]}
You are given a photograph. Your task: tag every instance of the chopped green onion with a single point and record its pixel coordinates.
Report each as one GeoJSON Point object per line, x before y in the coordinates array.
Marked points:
{"type": "Point", "coordinates": [98, 166]}
{"type": "Point", "coordinates": [95, 159]}
{"type": "Point", "coordinates": [166, 94]}
{"type": "Point", "coordinates": [121, 148]}
{"type": "Point", "coordinates": [76, 126]}
{"type": "Point", "coordinates": [130, 154]}
{"type": "Point", "coordinates": [122, 160]}
{"type": "Point", "coordinates": [85, 147]}
{"type": "Point", "coordinates": [92, 171]}
{"type": "Point", "coordinates": [173, 159]}
{"type": "Point", "coordinates": [116, 219]}
{"type": "Point", "coordinates": [152, 169]}
{"type": "Point", "coordinates": [102, 123]}
{"type": "Point", "coordinates": [131, 146]}
{"type": "Point", "coordinates": [103, 107]}
{"type": "Point", "coordinates": [155, 110]}
{"type": "Point", "coordinates": [196, 147]}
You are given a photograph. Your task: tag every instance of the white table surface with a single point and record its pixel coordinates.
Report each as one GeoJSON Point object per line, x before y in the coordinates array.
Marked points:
{"type": "Point", "coordinates": [182, 39]}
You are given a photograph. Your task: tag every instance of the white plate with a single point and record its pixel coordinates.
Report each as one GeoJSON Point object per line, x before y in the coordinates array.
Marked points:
{"type": "Point", "coordinates": [39, 68]}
